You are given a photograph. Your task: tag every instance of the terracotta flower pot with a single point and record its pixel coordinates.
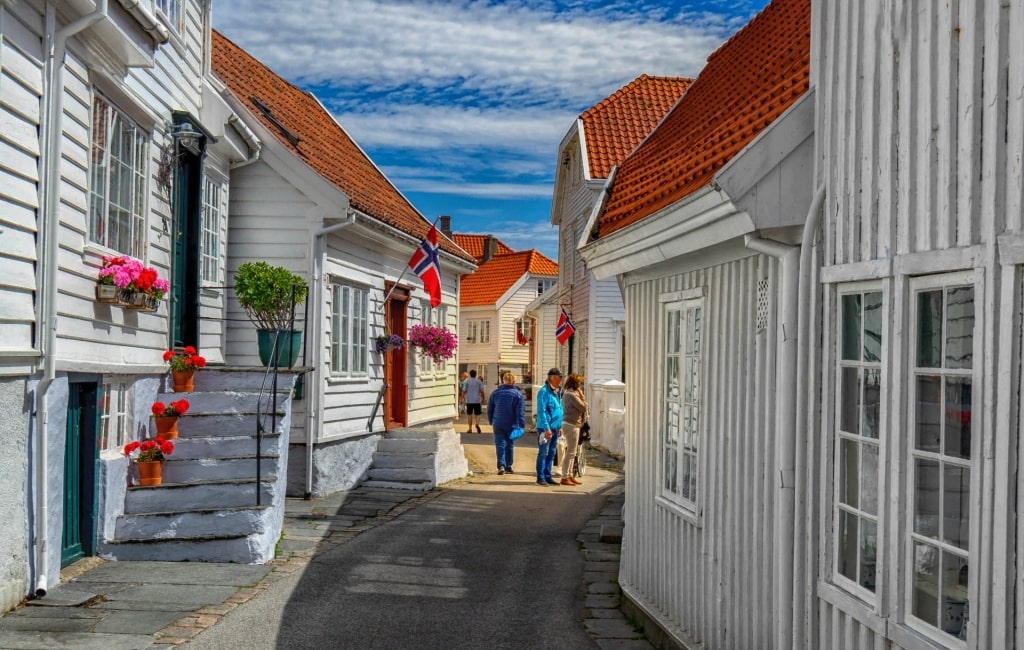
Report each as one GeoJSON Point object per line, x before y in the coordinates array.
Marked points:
{"type": "Point", "coordinates": [150, 472]}
{"type": "Point", "coordinates": [167, 426]}
{"type": "Point", "coordinates": [184, 380]}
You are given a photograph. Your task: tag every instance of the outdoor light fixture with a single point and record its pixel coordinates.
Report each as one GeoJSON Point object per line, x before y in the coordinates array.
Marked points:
{"type": "Point", "coordinates": [187, 136]}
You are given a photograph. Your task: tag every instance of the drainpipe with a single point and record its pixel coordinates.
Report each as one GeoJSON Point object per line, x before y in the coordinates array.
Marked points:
{"type": "Point", "coordinates": [811, 226]}
{"type": "Point", "coordinates": [785, 428]}
{"type": "Point", "coordinates": [316, 247]}
{"type": "Point", "coordinates": [50, 190]}
{"type": "Point", "coordinates": [251, 141]}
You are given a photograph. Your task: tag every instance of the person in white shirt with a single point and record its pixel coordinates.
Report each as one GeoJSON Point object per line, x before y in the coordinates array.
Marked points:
{"type": "Point", "coordinates": [473, 396]}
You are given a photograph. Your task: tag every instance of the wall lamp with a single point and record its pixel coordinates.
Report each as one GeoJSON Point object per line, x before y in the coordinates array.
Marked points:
{"type": "Point", "coordinates": [186, 135]}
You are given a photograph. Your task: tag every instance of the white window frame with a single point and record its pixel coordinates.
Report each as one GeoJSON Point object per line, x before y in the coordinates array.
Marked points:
{"type": "Point", "coordinates": [350, 333]}
{"type": "Point", "coordinates": [545, 285]}
{"type": "Point", "coordinates": [690, 310]}
{"type": "Point", "coordinates": [841, 438]}
{"type": "Point", "coordinates": [908, 537]}
{"type": "Point", "coordinates": [115, 411]}
{"type": "Point", "coordinates": [478, 331]}
{"type": "Point", "coordinates": [134, 166]}
{"type": "Point", "coordinates": [173, 12]}
{"type": "Point", "coordinates": [211, 223]}
{"type": "Point", "coordinates": [437, 316]}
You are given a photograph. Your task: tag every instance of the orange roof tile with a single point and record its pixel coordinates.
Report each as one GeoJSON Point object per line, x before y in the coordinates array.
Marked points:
{"type": "Point", "coordinates": [493, 278]}
{"type": "Point", "coordinates": [317, 139]}
{"type": "Point", "coordinates": [617, 124]}
{"type": "Point", "coordinates": [474, 245]}
{"type": "Point", "coordinates": [747, 83]}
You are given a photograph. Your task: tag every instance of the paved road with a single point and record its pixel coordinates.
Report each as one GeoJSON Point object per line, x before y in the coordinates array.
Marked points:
{"type": "Point", "coordinates": [493, 562]}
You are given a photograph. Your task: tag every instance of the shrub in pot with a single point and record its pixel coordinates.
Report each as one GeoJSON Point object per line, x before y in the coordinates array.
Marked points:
{"type": "Point", "coordinates": [265, 293]}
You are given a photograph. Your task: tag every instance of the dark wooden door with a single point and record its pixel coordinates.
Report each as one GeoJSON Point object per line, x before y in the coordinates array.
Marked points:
{"type": "Point", "coordinates": [80, 456]}
{"type": "Point", "coordinates": [396, 364]}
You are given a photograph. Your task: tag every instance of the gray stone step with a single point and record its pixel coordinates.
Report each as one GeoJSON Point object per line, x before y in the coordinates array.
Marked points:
{"type": "Point", "coordinates": [183, 497]}
{"type": "Point", "coordinates": [188, 446]}
{"type": "Point", "coordinates": [212, 379]}
{"type": "Point", "coordinates": [423, 433]}
{"type": "Point", "coordinates": [228, 402]}
{"type": "Point", "coordinates": [238, 548]}
{"type": "Point", "coordinates": [417, 474]}
{"type": "Point", "coordinates": [190, 470]}
{"type": "Point", "coordinates": [407, 445]}
{"type": "Point", "coordinates": [187, 525]}
{"type": "Point", "coordinates": [227, 424]}
{"type": "Point", "coordinates": [398, 485]}
{"type": "Point", "coordinates": [392, 461]}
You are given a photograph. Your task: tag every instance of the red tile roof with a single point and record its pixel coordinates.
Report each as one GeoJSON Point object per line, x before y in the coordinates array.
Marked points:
{"type": "Point", "coordinates": [617, 124]}
{"type": "Point", "coordinates": [321, 142]}
{"type": "Point", "coordinates": [492, 279]}
{"type": "Point", "coordinates": [747, 83]}
{"type": "Point", "coordinates": [474, 245]}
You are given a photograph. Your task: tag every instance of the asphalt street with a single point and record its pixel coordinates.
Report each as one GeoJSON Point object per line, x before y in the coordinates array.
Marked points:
{"type": "Point", "coordinates": [493, 562]}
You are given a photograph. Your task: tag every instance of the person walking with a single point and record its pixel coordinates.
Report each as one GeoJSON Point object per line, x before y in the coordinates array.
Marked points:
{"type": "Point", "coordinates": [462, 393]}
{"type": "Point", "coordinates": [549, 423]}
{"type": "Point", "coordinates": [506, 410]}
{"type": "Point", "coordinates": [474, 398]}
{"type": "Point", "coordinates": [574, 414]}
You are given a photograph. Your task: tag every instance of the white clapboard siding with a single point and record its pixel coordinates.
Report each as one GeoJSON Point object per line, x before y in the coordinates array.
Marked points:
{"type": "Point", "coordinates": [479, 353]}
{"type": "Point", "coordinates": [604, 322]}
{"type": "Point", "coordinates": [511, 310]}
{"type": "Point", "coordinates": [711, 582]}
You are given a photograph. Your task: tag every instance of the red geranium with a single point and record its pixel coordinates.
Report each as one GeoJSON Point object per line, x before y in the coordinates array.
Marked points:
{"type": "Point", "coordinates": [184, 361]}
{"type": "Point", "coordinates": [148, 450]}
{"type": "Point", "coordinates": [173, 409]}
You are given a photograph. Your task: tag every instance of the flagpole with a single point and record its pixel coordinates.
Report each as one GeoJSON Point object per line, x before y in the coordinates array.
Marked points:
{"type": "Point", "coordinates": [402, 274]}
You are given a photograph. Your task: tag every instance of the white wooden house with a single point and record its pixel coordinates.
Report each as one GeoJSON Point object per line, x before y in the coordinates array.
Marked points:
{"type": "Point", "coordinates": [599, 140]}
{"type": "Point", "coordinates": [698, 225]}
{"type": "Point", "coordinates": [110, 139]}
{"type": "Point", "coordinates": [493, 335]}
{"type": "Point", "coordinates": [316, 204]}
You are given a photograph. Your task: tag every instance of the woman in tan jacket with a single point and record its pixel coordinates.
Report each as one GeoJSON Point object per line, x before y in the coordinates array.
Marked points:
{"type": "Point", "coordinates": [575, 413]}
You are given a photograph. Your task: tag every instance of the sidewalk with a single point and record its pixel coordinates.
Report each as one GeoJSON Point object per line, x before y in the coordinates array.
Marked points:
{"type": "Point", "coordinates": [128, 605]}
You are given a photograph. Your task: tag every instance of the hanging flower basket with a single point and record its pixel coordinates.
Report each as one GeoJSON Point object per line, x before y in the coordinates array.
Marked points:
{"type": "Point", "coordinates": [438, 343]}
{"type": "Point", "coordinates": [385, 343]}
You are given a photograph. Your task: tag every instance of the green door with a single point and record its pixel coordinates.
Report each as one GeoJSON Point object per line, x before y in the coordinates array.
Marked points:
{"type": "Point", "coordinates": [80, 458]}
{"type": "Point", "coordinates": [187, 235]}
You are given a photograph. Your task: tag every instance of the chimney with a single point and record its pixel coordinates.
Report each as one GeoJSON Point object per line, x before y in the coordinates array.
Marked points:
{"type": "Point", "coordinates": [490, 247]}
{"type": "Point", "coordinates": [446, 225]}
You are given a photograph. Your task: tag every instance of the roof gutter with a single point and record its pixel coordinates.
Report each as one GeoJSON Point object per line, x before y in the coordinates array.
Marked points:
{"type": "Point", "coordinates": [153, 27]}
{"type": "Point", "coordinates": [253, 142]}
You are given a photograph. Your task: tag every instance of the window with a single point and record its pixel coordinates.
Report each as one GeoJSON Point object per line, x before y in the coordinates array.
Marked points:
{"type": "Point", "coordinates": [213, 195]}
{"type": "Point", "coordinates": [172, 10]}
{"type": "Point", "coordinates": [349, 334]}
{"type": "Point", "coordinates": [432, 316]}
{"type": "Point", "coordinates": [478, 331]}
{"type": "Point", "coordinates": [939, 461]}
{"type": "Point", "coordinates": [680, 448]}
{"type": "Point", "coordinates": [118, 183]}
{"type": "Point", "coordinates": [857, 440]}
{"type": "Point", "coordinates": [544, 285]}
{"type": "Point", "coordinates": [115, 429]}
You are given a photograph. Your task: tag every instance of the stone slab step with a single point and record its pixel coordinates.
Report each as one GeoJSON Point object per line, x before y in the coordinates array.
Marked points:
{"type": "Point", "coordinates": [393, 461]}
{"type": "Point", "coordinates": [187, 470]}
{"type": "Point", "coordinates": [407, 445]}
{"type": "Point", "coordinates": [195, 447]}
{"type": "Point", "coordinates": [240, 549]}
{"type": "Point", "coordinates": [398, 485]}
{"type": "Point", "coordinates": [227, 402]}
{"type": "Point", "coordinates": [177, 525]}
{"type": "Point", "coordinates": [423, 433]}
{"type": "Point", "coordinates": [219, 380]}
{"type": "Point", "coordinates": [416, 474]}
{"type": "Point", "coordinates": [194, 425]}
{"type": "Point", "coordinates": [183, 497]}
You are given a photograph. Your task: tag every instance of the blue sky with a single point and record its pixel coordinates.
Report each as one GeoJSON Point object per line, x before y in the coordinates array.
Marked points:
{"type": "Point", "coordinates": [463, 104]}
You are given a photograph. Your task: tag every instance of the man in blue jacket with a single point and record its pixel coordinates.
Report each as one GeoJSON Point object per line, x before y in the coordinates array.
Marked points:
{"type": "Point", "coordinates": [549, 424]}
{"type": "Point", "coordinates": [506, 410]}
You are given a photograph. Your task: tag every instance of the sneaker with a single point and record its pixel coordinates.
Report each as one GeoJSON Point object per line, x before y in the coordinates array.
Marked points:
{"type": "Point", "coordinates": [551, 481]}
{"type": "Point", "coordinates": [557, 472]}
{"type": "Point", "coordinates": [575, 481]}
{"type": "Point", "coordinates": [508, 470]}
{"type": "Point", "coordinates": [566, 481]}
{"type": "Point", "coordinates": [541, 483]}
{"type": "Point", "coordinates": [501, 470]}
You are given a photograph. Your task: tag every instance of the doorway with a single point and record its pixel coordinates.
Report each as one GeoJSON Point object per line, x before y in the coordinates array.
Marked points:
{"type": "Point", "coordinates": [396, 373]}
{"type": "Point", "coordinates": [80, 458]}
{"type": "Point", "coordinates": [187, 229]}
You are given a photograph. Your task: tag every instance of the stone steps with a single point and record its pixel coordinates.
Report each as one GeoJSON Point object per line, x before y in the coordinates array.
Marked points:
{"type": "Point", "coordinates": [417, 459]}
{"type": "Point", "coordinates": [229, 522]}
{"type": "Point", "coordinates": [199, 495]}
{"type": "Point", "coordinates": [189, 470]}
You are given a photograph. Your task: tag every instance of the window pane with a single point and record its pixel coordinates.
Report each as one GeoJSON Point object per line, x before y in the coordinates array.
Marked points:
{"type": "Point", "coordinates": [847, 545]}
{"type": "Point", "coordinates": [956, 505]}
{"type": "Point", "coordinates": [848, 472]}
{"type": "Point", "coordinates": [849, 406]}
{"type": "Point", "coordinates": [346, 328]}
{"type": "Point", "coordinates": [671, 474]}
{"type": "Point", "coordinates": [954, 594]}
{"type": "Point", "coordinates": [872, 399]}
{"type": "Point", "coordinates": [672, 342]}
{"type": "Point", "coordinates": [959, 327]}
{"type": "Point", "coordinates": [672, 378]}
{"type": "Point", "coordinates": [869, 479]}
{"type": "Point", "coordinates": [851, 327]}
{"type": "Point", "coordinates": [868, 554]}
{"type": "Point", "coordinates": [958, 417]}
{"type": "Point", "coordinates": [872, 326]}
{"type": "Point", "coordinates": [672, 423]}
{"type": "Point", "coordinates": [926, 497]}
{"type": "Point", "coordinates": [925, 604]}
{"type": "Point", "coordinates": [697, 329]}
{"type": "Point", "coordinates": [929, 329]}
{"type": "Point", "coordinates": [929, 413]}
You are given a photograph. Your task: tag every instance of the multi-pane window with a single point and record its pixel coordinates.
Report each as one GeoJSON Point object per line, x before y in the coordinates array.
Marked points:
{"type": "Point", "coordinates": [349, 332]}
{"type": "Point", "coordinates": [478, 331]}
{"type": "Point", "coordinates": [939, 463]}
{"type": "Point", "coordinates": [213, 195]}
{"type": "Point", "coordinates": [857, 438]}
{"type": "Point", "coordinates": [437, 316]}
{"type": "Point", "coordinates": [114, 407]}
{"type": "Point", "coordinates": [680, 449]}
{"type": "Point", "coordinates": [172, 10]}
{"type": "Point", "coordinates": [544, 285]}
{"type": "Point", "coordinates": [118, 181]}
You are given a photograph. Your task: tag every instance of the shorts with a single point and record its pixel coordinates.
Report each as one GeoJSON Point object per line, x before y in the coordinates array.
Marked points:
{"type": "Point", "coordinates": [473, 409]}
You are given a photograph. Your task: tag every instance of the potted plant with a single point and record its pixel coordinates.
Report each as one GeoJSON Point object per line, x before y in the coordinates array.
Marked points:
{"type": "Point", "coordinates": [268, 295]}
{"type": "Point", "coordinates": [436, 342]}
{"type": "Point", "coordinates": [183, 367]}
{"type": "Point", "coordinates": [386, 343]}
{"type": "Point", "coordinates": [148, 456]}
{"type": "Point", "coordinates": [166, 417]}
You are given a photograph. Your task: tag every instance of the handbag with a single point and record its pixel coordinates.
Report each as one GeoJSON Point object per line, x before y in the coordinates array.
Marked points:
{"type": "Point", "coordinates": [516, 433]}
{"type": "Point", "coordinates": [585, 431]}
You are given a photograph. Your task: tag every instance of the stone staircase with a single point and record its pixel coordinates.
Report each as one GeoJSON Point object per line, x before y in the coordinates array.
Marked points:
{"type": "Point", "coordinates": [205, 510]}
{"type": "Point", "coordinates": [418, 458]}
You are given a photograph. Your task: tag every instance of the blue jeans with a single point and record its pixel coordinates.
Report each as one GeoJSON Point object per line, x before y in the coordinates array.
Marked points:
{"type": "Point", "coordinates": [546, 456]}
{"type": "Point", "coordinates": [505, 446]}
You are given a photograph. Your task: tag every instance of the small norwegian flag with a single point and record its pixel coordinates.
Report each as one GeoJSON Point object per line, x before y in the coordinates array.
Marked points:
{"type": "Point", "coordinates": [564, 329]}
{"type": "Point", "coordinates": [426, 265]}
{"type": "Point", "coordinates": [520, 337]}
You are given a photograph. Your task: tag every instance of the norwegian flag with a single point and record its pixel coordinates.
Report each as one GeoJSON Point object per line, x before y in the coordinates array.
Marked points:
{"type": "Point", "coordinates": [426, 265]}
{"type": "Point", "coordinates": [564, 329]}
{"type": "Point", "coordinates": [520, 337]}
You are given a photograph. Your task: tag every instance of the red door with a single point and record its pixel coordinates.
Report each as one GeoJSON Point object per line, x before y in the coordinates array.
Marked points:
{"type": "Point", "coordinates": [396, 367]}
